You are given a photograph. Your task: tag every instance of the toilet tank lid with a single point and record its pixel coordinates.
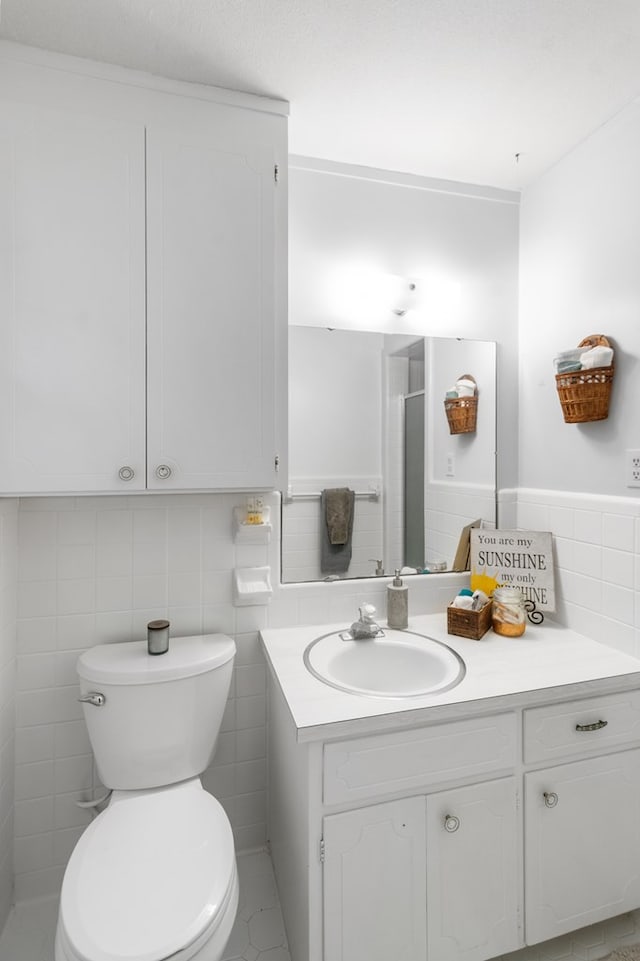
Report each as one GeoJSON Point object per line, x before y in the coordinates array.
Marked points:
{"type": "Point", "coordinates": [130, 662]}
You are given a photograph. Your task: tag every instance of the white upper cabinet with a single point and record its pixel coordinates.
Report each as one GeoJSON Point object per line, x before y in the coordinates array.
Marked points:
{"type": "Point", "coordinates": [72, 301]}
{"type": "Point", "coordinates": [142, 282]}
{"type": "Point", "coordinates": [211, 198]}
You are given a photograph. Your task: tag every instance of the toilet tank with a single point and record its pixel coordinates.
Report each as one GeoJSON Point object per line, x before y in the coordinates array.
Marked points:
{"type": "Point", "coordinates": [160, 717]}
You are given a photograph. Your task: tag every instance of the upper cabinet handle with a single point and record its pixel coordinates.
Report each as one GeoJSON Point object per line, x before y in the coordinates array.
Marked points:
{"type": "Point", "coordinates": [163, 471]}
{"type": "Point", "coordinates": [591, 727]}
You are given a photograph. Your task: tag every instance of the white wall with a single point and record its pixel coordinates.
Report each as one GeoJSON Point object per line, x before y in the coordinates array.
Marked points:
{"type": "Point", "coordinates": [8, 591]}
{"type": "Point", "coordinates": [454, 500]}
{"type": "Point", "coordinates": [473, 453]}
{"type": "Point", "coordinates": [335, 406]}
{"type": "Point", "coordinates": [350, 227]}
{"type": "Point", "coordinates": [335, 440]}
{"type": "Point", "coordinates": [579, 243]}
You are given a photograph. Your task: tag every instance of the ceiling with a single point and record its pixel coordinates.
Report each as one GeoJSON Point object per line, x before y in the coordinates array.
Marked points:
{"type": "Point", "coordinates": [483, 91]}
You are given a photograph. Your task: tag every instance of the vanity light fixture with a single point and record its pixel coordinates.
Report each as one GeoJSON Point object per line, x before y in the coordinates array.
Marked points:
{"type": "Point", "coordinates": [404, 296]}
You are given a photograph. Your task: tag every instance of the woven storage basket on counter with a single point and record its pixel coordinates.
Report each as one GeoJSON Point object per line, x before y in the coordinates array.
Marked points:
{"type": "Point", "coordinates": [462, 412]}
{"type": "Point", "coordinates": [472, 624]}
{"type": "Point", "coordinates": [584, 394]}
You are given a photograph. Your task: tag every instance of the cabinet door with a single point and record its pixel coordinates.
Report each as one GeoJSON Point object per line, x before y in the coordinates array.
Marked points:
{"type": "Point", "coordinates": [72, 301]}
{"type": "Point", "coordinates": [374, 883]}
{"type": "Point", "coordinates": [582, 844]}
{"type": "Point", "coordinates": [473, 889]}
{"type": "Point", "coordinates": [212, 200]}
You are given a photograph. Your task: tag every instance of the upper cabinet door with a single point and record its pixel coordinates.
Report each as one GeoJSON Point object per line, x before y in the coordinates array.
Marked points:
{"type": "Point", "coordinates": [212, 214]}
{"type": "Point", "coordinates": [72, 302]}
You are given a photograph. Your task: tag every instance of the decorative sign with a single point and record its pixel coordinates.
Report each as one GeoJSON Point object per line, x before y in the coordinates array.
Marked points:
{"type": "Point", "coordinates": [520, 559]}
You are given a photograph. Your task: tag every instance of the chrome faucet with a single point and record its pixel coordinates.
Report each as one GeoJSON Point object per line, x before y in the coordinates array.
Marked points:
{"type": "Point", "coordinates": [365, 626]}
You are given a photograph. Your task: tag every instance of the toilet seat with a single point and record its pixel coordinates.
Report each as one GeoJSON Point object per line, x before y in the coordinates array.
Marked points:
{"type": "Point", "coordinates": [153, 875]}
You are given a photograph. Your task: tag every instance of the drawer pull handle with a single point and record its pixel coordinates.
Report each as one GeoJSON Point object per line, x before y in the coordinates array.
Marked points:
{"type": "Point", "coordinates": [451, 823]}
{"type": "Point", "coordinates": [591, 727]}
{"type": "Point", "coordinates": [550, 799]}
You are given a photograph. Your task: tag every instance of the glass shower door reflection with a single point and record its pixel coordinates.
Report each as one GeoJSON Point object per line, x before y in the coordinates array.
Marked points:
{"type": "Point", "coordinates": [414, 480]}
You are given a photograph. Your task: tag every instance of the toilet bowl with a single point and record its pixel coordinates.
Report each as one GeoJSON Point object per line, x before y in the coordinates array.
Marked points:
{"type": "Point", "coordinates": [154, 876]}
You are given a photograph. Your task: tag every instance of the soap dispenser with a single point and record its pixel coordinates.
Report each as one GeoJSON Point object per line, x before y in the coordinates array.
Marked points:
{"type": "Point", "coordinates": [397, 604]}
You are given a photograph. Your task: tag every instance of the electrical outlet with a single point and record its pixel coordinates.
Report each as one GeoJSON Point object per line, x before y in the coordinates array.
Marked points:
{"type": "Point", "coordinates": [632, 468]}
{"type": "Point", "coordinates": [451, 465]}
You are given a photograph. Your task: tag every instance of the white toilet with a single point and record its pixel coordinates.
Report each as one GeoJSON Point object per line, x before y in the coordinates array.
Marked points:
{"type": "Point", "coordinates": [154, 876]}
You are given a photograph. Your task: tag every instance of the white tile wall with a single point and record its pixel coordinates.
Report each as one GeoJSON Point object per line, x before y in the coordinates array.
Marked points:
{"type": "Point", "coordinates": [98, 568]}
{"type": "Point", "coordinates": [8, 582]}
{"type": "Point", "coordinates": [301, 529]}
{"type": "Point", "coordinates": [95, 569]}
{"type": "Point", "coordinates": [597, 558]}
{"type": "Point", "coordinates": [449, 508]}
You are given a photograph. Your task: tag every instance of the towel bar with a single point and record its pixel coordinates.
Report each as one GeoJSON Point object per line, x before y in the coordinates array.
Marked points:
{"type": "Point", "coordinates": [373, 494]}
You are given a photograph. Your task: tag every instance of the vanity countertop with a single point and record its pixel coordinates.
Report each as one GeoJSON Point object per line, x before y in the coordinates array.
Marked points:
{"type": "Point", "coordinates": [549, 662]}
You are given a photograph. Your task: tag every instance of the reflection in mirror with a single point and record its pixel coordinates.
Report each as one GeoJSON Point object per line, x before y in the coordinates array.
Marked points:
{"type": "Point", "coordinates": [366, 412]}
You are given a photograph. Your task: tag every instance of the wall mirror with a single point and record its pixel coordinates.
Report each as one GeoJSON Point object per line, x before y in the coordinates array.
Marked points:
{"type": "Point", "coordinates": [366, 412]}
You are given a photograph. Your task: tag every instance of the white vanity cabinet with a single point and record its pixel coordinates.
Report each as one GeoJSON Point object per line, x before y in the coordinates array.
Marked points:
{"type": "Point", "coordinates": [412, 879]}
{"type": "Point", "coordinates": [374, 882]}
{"type": "Point", "coordinates": [457, 839]}
{"type": "Point", "coordinates": [582, 824]}
{"type": "Point", "coordinates": [143, 282]}
{"type": "Point", "coordinates": [444, 858]}
{"type": "Point", "coordinates": [473, 872]}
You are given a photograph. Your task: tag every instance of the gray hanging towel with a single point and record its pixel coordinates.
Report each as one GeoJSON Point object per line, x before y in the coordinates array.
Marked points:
{"type": "Point", "coordinates": [338, 513]}
{"type": "Point", "coordinates": [337, 510]}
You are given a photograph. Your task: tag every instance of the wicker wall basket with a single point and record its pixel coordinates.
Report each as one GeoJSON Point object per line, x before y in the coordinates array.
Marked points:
{"type": "Point", "coordinates": [584, 394]}
{"type": "Point", "coordinates": [462, 412]}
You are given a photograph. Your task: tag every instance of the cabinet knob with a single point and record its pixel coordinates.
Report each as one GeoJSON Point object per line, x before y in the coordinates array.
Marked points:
{"type": "Point", "coordinates": [126, 473]}
{"type": "Point", "coordinates": [550, 799]}
{"type": "Point", "coordinates": [451, 823]}
{"type": "Point", "coordinates": [163, 471]}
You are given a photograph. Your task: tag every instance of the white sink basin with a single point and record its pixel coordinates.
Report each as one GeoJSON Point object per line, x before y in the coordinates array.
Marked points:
{"type": "Point", "coordinates": [393, 664]}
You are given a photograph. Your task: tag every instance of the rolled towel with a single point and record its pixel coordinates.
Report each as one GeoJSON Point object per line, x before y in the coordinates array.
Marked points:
{"type": "Point", "coordinates": [465, 601]}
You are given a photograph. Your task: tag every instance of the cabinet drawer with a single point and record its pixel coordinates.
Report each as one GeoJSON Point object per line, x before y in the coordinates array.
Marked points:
{"type": "Point", "coordinates": [367, 767]}
{"type": "Point", "coordinates": [577, 727]}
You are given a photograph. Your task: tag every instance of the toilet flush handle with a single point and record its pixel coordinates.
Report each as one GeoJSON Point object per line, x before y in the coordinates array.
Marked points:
{"type": "Point", "coordinates": [93, 697]}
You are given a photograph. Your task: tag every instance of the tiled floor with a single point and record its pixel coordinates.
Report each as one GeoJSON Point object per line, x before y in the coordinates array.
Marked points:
{"type": "Point", "coordinates": [258, 934]}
